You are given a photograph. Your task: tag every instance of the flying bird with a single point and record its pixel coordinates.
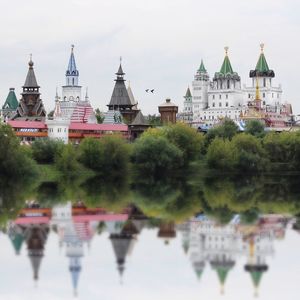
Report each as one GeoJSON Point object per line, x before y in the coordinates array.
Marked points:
{"type": "Point", "coordinates": [147, 90]}
{"type": "Point", "coordinates": [152, 91]}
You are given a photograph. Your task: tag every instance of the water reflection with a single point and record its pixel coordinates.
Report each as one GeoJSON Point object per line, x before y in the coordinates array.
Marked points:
{"type": "Point", "coordinates": [223, 225]}
{"type": "Point", "coordinates": [220, 246]}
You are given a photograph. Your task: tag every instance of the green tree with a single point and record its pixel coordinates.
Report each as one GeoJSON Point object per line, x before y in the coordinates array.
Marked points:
{"type": "Point", "coordinates": [154, 120]}
{"type": "Point", "coordinates": [115, 155]}
{"type": "Point", "coordinates": [90, 153]}
{"type": "Point", "coordinates": [256, 128]}
{"type": "Point", "coordinates": [156, 157]}
{"type": "Point", "coordinates": [45, 150]}
{"type": "Point", "coordinates": [187, 139]}
{"type": "Point", "coordinates": [221, 154]}
{"type": "Point", "coordinates": [99, 116]}
{"type": "Point", "coordinates": [283, 150]}
{"type": "Point", "coordinates": [15, 161]}
{"type": "Point", "coordinates": [66, 161]}
{"type": "Point", "coordinates": [249, 153]}
{"type": "Point", "coordinates": [226, 130]}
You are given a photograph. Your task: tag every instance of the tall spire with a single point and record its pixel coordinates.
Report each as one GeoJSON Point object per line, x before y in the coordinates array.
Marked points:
{"type": "Point", "coordinates": [202, 67]}
{"type": "Point", "coordinates": [262, 69]}
{"type": "Point", "coordinates": [30, 81]}
{"type": "Point", "coordinates": [72, 73]}
{"type": "Point", "coordinates": [188, 94]}
{"type": "Point", "coordinates": [226, 66]}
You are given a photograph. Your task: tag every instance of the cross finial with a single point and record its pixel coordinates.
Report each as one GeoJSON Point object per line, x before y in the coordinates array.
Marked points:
{"type": "Point", "coordinates": [30, 56]}
{"type": "Point", "coordinates": [226, 50]}
{"type": "Point", "coordinates": [72, 47]}
{"type": "Point", "coordinates": [120, 59]}
{"type": "Point", "coordinates": [262, 45]}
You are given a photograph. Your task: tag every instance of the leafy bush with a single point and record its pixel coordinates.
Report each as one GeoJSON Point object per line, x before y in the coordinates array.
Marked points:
{"type": "Point", "coordinates": [109, 155]}
{"type": "Point", "coordinates": [66, 161]}
{"type": "Point", "coordinates": [45, 150]}
{"type": "Point", "coordinates": [255, 128]}
{"type": "Point", "coordinates": [250, 155]}
{"type": "Point", "coordinates": [156, 156]}
{"type": "Point", "coordinates": [221, 154]}
{"type": "Point", "coordinates": [15, 161]}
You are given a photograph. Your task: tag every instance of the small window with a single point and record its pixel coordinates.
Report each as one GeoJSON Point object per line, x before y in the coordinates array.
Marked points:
{"type": "Point", "coordinates": [226, 96]}
{"type": "Point", "coordinates": [220, 104]}
{"type": "Point", "coordinates": [264, 95]}
{"type": "Point", "coordinates": [213, 97]}
{"type": "Point", "coordinates": [249, 96]}
{"type": "Point", "coordinates": [226, 104]}
{"type": "Point", "coordinates": [214, 104]}
{"type": "Point", "coordinates": [264, 82]}
{"type": "Point", "coordinates": [220, 96]}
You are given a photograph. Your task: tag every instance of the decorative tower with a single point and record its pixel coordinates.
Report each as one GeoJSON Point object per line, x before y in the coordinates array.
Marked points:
{"type": "Point", "coordinates": [270, 94]}
{"type": "Point", "coordinates": [58, 126]}
{"type": "Point", "coordinates": [200, 87]}
{"type": "Point", "coordinates": [120, 99]}
{"type": "Point", "coordinates": [10, 105]}
{"type": "Point", "coordinates": [71, 91]}
{"type": "Point", "coordinates": [188, 106]}
{"type": "Point", "coordinates": [168, 111]}
{"type": "Point", "coordinates": [31, 105]}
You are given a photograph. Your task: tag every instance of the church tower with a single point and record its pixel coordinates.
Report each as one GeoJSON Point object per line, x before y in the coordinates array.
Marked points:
{"type": "Point", "coordinates": [200, 87]}
{"type": "Point", "coordinates": [72, 91]}
{"type": "Point", "coordinates": [188, 106]}
{"type": "Point", "coordinates": [270, 94]}
{"type": "Point", "coordinates": [31, 106]}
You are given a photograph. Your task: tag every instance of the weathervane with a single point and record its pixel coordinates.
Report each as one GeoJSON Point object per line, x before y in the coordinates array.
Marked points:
{"type": "Point", "coordinates": [262, 45]}
{"type": "Point", "coordinates": [226, 49]}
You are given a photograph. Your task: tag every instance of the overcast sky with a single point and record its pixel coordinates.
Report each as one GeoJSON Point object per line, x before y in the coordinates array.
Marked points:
{"type": "Point", "coordinates": [161, 42]}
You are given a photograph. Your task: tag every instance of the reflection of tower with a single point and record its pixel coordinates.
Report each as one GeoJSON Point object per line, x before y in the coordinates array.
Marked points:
{"type": "Point", "coordinates": [121, 244]}
{"type": "Point", "coordinates": [185, 230]}
{"type": "Point", "coordinates": [62, 217]}
{"type": "Point", "coordinates": [258, 247]}
{"type": "Point", "coordinates": [36, 237]}
{"type": "Point", "coordinates": [16, 235]}
{"type": "Point", "coordinates": [167, 231]}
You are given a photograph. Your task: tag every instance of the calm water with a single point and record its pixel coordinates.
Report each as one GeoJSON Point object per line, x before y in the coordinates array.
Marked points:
{"type": "Point", "coordinates": [214, 239]}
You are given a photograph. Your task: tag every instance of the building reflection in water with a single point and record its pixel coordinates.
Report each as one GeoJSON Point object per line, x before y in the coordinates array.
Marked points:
{"type": "Point", "coordinates": [220, 246]}
{"type": "Point", "coordinates": [204, 240]}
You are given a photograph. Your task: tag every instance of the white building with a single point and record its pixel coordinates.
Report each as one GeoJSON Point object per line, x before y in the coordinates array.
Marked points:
{"type": "Point", "coordinates": [224, 96]}
{"type": "Point", "coordinates": [58, 126]}
{"type": "Point", "coordinates": [73, 107]}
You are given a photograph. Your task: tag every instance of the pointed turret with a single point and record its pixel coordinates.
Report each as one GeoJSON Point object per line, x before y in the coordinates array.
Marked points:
{"type": "Point", "coordinates": [188, 95]}
{"type": "Point", "coordinates": [11, 101]}
{"type": "Point", "coordinates": [262, 68]}
{"type": "Point", "coordinates": [30, 81]}
{"type": "Point", "coordinates": [131, 97]}
{"type": "Point", "coordinates": [30, 106]}
{"type": "Point", "coordinates": [226, 66]}
{"type": "Point", "coordinates": [72, 73]}
{"type": "Point", "coordinates": [140, 120]}
{"type": "Point", "coordinates": [202, 67]}
{"type": "Point", "coordinates": [120, 99]}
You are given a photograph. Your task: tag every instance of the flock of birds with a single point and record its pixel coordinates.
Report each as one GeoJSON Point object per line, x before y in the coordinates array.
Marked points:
{"type": "Point", "coordinates": [149, 90]}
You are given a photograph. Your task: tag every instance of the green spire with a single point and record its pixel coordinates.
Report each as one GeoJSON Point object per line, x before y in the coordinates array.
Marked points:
{"type": "Point", "coordinates": [202, 68]}
{"type": "Point", "coordinates": [11, 101]}
{"type": "Point", "coordinates": [188, 93]}
{"type": "Point", "coordinates": [222, 274]}
{"type": "Point", "coordinates": [256, 277]}
{"type": "Point", "coordinates": [17, 242]}
{"type": "Point", "coordinates": [226, 66]}
{"type": "Point", "coordinates": [262, 65]}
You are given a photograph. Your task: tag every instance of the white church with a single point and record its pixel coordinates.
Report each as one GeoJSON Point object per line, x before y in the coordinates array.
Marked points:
{"type": "Point", "coordinates": [224, 96]}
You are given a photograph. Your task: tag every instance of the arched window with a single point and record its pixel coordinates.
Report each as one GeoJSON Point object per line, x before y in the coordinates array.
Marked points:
{"type": "Point", "coordinates": [73, 81]}
{"type": "Point", "coordinates": [228, 84]}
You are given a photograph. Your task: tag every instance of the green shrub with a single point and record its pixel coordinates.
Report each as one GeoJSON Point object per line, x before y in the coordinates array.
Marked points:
{"type": "Point", "coordinates": [45, 150]}
{"type": "Point", "coordinates": [156, 156]}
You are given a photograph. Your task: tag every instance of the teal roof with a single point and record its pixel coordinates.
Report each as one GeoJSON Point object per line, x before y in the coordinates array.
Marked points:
{"type": "Point", "coordinates": [188, 93]}
{"type": "Point", "coordinates": [17, 242]}
{"type": "Point", "coordinates": [226, 66]}
{"type": "Point", "coordinates": [256, 277]}
{"type": "Point", "coordinates": [202, 68]}
{"type": "Point", "coordinates": [262, 65]}
{"type": "Point", "coordinates": [11, 101]}
{"type": "Point", "coordinates": [222, 274]}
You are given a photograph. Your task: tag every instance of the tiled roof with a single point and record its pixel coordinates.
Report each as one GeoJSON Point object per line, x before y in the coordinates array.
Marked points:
{"type": "Point", "coordinates": [100, 127]}
{"type": "Point", "coordinates": [27, 124]}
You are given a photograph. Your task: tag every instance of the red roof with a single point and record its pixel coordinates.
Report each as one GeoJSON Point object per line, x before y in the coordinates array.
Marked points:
{"type": "Point", "coordinates": [98, 127]}
{"type": "Point", "coordinates": [27, 124]}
